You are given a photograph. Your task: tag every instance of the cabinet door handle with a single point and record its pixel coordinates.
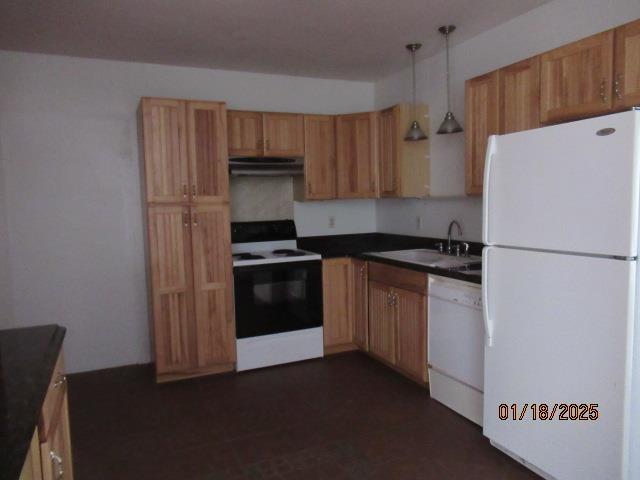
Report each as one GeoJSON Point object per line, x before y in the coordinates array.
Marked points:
{"type": "Point", "coordinates": [62, 379]}
{"type": "Point", "coordinates": [185, 193]}
{"type": "Point", "coordinates": [185, 219]}
{"type": "Point", "coordinates": [616, 87]}
{"type": "Point", "coordinates": [603, 91]}
{"type": "Point", "coordinates": [195, 220]}
{"type": "Point", "coordinates": [57, 463]}
{"type": "Point", "coordinates": [389, 299]}
{"type": "Point", "coordinates": [193, 191]}
{"type": "Point", "coordinates": [362, 274]}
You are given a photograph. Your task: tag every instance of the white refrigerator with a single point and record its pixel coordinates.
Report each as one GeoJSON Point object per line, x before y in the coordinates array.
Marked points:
{"type": "Point", "coordinates": [560, 293]}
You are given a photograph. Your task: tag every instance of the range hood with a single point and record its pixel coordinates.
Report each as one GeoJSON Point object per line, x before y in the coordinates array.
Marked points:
{"type": "Point", "coordinates": [266, 166]}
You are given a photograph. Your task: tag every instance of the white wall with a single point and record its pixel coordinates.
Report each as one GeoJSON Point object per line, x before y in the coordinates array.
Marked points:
{"type": "Point", "coordinates": [351, 216]}
{"type": "Point", "coordinates": [70, 174]}
{"type": "Point", "coordinates": [544, 28]}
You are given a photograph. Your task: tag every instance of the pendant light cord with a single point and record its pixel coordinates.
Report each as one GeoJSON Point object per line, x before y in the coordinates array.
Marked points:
{"type": "Point", "coordinates": [413, 68]}
{"type": "Point", "coordinates": [446, 42]}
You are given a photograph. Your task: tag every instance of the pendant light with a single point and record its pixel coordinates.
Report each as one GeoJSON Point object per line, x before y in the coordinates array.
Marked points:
{"type": "Point", "coordinates": [449, 124]}
{"type": "Point", "coordinates": [414, 133]}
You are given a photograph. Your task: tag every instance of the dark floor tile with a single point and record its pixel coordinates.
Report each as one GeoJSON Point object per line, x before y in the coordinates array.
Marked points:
{"type": "Point", "coordinates": [344, 417]}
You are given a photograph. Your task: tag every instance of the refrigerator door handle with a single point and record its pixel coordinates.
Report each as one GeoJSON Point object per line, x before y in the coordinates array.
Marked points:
{"type": "Point", "coordinates": [488, 325]}
{"type": "Point", "coordinates": [491, 151]}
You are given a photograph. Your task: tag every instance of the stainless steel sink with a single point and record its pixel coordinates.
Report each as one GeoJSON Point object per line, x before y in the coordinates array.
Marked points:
{"type": "Point", "coordinates": [429, 258]}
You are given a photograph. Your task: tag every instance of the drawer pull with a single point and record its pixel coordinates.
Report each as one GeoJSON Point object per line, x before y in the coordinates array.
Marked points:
{"type": "Point", "coordinates": [62, 379]}
{"type": "Point", "coordinates": [57, 463]}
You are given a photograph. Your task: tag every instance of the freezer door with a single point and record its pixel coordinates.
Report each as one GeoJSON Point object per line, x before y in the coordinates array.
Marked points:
{"type": "Point", "coordinates": [571, 187]}
{"type": "Point", "coordinates": [560, 329]}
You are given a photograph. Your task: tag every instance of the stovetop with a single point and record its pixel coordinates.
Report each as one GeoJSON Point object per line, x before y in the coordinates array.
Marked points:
{"type": "Point", "coordinates": [278, 255]}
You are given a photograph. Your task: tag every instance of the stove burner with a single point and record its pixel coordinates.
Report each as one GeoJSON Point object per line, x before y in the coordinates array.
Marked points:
{"type": "Point", "coordinates": [247, 256]}
{"type": "Point", "coordinates": [287, 252]}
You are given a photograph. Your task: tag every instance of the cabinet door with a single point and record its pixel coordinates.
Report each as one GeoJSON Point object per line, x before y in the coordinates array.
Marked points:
{"type": "Point", "coordinates": [389, 161]}
{"type": "Point", "coordinates": [412, 333]}
{"type": "Point", "coordinates": [382, 322]}
{"type": "Point", "coordinates": [32, 468]}
{"type": "Point", "coordinates": [576, 79]}
{"type": "Point", "coordinates": [284, 135]}
{"type": "Point", "coordinates": [213, 283]}
{"type": "Point", "coordinates": [337, 302]}
{"type": "Point", "coordinates": [519, 90]}
{"type": "Point", "coordinates": [360, 307]}
{"type": "Point", "coordinates": [171, 287]}
{"type": "Point", "coordinates": [319, 157]}
{"type": "Point", "coordinates": [244, 134]}
{"type": "Point", "coordinates": [481, 114]}
{"type": "Point", "coordinates": [207, 124]}
{"type": "Point", "coordinates": [55, 453]}
{"type": "Point", "coordinates": [356, 155]}
{"type": "Point", "coordinates": [166, 167]}
{"type": "Point", "coordinates": [627, 66]}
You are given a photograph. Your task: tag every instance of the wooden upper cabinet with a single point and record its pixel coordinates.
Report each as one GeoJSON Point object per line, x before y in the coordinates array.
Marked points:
{"type": "Point", "coordinates": [208, 161]}
{"type": "Point", "coordinates": [412, 332]}
{"type": "Point", "coordinates": [627, 66]}
{"type": "Point", "coordinates": [245, 133]}
{"type": "Point", "coordinates": [171, 281]}
{"type": "Point", "coordinates": [212, 285]}
{"type": "Point", "coordinates": [320, 157]}
{"type": "Point", "coordinates": [166, 168]}
{"type": "Point", "coordinates": [356, 148]}
{"type": "Point", "coordinates": [576, 79]}
{"type": "Point", "coordinates": [519, 90]}
{"type": "Point", "coordinates": [283, 134]}
{"type": "Point", "coordinates": [360, 307]}
{"type": "Point", "coordinates": [481, 114]}
{"type": "Point", "coordinates": [389, 162]}
{"type": "Point", "coordinates": [337, 302]}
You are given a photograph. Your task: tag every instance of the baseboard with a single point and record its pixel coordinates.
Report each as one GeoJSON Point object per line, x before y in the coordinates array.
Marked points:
{"type": "Point", "coordinates": [345, 347]}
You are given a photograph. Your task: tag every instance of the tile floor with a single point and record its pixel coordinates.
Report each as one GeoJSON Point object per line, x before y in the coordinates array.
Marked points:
{"type": "Point", "coordinates": [344, 417]}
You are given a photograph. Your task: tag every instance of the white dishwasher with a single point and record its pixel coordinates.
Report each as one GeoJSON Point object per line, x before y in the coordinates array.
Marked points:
{"type": "Point", "coordinates": [456, 346]}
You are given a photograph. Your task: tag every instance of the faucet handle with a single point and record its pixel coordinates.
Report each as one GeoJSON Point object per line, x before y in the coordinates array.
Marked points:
{"type": "Point", "coordinates": [465, 248]}
{"type": "Point", "coordinates": [440, 247]}
{"type": "Point", "coordinates": [456, 250]}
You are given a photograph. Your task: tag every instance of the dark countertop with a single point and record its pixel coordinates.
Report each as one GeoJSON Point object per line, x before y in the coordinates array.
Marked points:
{"type": "Point", "coordinates": [27, 359]}
{"type": "Point", "coordinates": [358, 244]}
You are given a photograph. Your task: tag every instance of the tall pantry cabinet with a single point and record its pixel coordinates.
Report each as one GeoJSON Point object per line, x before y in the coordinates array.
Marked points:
{"type": "Point", "coordinates": [186, 200]}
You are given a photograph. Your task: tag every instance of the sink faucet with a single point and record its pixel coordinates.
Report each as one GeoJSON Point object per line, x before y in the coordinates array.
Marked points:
{"type": "Point", "coordinates": [453, 222]}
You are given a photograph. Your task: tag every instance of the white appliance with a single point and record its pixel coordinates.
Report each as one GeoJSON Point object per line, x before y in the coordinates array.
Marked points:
{"type": "Point", "coordinates": [278, 295]}
{"type": "Point", "coordinates": [560, 221]}
{"type": "Point", "coordinates": [456, 345]}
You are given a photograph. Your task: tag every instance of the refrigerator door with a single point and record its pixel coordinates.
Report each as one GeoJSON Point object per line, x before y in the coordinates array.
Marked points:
{"type": "Point", "coordinates": [560, 328]}
{"type": "Point", "coordinates": [570, 187]}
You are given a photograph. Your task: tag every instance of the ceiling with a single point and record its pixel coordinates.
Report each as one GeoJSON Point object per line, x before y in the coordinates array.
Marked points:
{"type": "Point", "coordinates": [350, 39]}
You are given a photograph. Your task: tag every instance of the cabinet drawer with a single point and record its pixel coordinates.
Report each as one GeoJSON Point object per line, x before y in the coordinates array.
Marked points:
{"type": "Point", "coordinates": [398, 277]}
{"type": "Point", "coordinates": [53, 399]}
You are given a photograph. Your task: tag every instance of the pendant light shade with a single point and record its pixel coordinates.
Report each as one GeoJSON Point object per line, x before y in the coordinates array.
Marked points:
{"type": "Point", "coordinates": [449, 124]}
{"type": "Point", "coordinates": [414, 133]}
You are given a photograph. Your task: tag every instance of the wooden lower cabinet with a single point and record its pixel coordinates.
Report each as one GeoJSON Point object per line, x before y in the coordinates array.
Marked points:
{"type": "Point", "coordinates": [382, 322]}
{"type": "Point", "coordinates": [411, 309]}
{"type": "Point", "coordinates": [32, 469]}
{"type": "Point", "coordinates": [55, 452]}
{"type": "Point", "coordinates": [337, 293]}
{"type": "Point", "coordinates": [360, 304]}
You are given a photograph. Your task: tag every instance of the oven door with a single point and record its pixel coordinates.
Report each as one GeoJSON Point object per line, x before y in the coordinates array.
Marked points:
{"type": "Point", "coordinates": [277, 297]}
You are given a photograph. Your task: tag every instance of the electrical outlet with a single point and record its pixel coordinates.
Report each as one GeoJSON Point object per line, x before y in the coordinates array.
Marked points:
{"type": "Point", "coordinates": [418, 222]}
{"type": "Point", "coordinates": [332, 221]}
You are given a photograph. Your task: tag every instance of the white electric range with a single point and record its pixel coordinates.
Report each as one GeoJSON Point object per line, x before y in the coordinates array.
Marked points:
{"type": "Point", "coordinates": [278, 295]}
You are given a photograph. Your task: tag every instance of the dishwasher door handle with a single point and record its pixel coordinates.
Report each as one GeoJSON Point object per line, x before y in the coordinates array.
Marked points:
{"type": "Point", "coordinates": [486, 316]}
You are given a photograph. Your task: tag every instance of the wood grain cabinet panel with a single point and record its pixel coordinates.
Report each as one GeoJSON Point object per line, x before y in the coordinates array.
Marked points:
{"type": "Point", "coordinates": [412, 333]}
{"type": "Point", "coordinates": [166, 168]}
{"type": "Point", "coordinates": [32, 468]}
{"type": "Point", "coordinates": [382, 322]}
{"type": "Point", "coordinates": [319, 157]}
{"type": "Point", "coordinates": [212, 273]}
{"type": "Point", "coordinates": [356, 140]}
{"type": "Point", "coordinates": [55, 452]}
{"type": "Point", "coordinates": [207, 124]}
{"type": "Point", "coordinates": [519, 93]}
{"type": "Point", "coordinates": [389, 161]}
{"type": "Point", "coordinates": [337, 304]}
{"type": "Point", "coordinates": [245, 133]}
{"type": "Point", "coordinates": [627, 66]}
{"type": "Point", "coordinates": [171, 286]}
{"type": "Point", "coordinates": [360, 304]}
{"type": "Point", "coordinates": [576, 79]}
{"type": "Point", "coordinates": [481, 114]}
{"type": "Point", "coordinates": [284, 134]}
